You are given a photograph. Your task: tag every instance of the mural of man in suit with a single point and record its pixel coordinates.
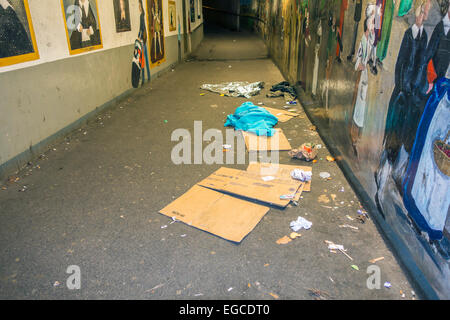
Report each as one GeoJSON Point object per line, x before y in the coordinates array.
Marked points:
{"type": "Point", "coordinates": [86, 33]}
{"type": "Point", "coordinates": [14, 39]}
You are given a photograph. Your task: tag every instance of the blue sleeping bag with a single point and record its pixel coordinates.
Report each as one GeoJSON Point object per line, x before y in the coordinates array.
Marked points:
{"type": "Point", "coordinates": [251, 118]}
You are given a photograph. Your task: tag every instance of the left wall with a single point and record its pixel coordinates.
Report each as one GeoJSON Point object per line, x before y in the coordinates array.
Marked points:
{"type": "Point", "coordinates": [53, 87]}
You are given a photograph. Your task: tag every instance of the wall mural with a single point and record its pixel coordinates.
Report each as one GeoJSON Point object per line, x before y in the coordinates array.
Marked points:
{"type": "Point", "coordinates": [192, 7]}
{"type": "Point", "coordinates": [172, 16]}
{"type": "Point", "coordinates": [156, 29]}
{"type": "Point", "coordinates": [17, 39]}
{"type": "Point", "coordinates": [378, 71]}
{"type": "Point", "coordinates": [82, 25]}
{"type": "Point", "coordinates": [122, 15]}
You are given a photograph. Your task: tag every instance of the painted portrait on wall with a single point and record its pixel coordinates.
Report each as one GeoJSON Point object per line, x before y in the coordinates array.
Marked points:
{"type": "Point", "coordinates": [192, 7]}
{"type": "Point", "coordinates": [82, 25]}
{"type": "Point", "coordinates": [17, 39]}
{"type": "Point", "coordinates": [172, 16]}
{"type": "Point", "coordinates": [156, 29]}
{"type": "Point", "coordinates": [122, 15]}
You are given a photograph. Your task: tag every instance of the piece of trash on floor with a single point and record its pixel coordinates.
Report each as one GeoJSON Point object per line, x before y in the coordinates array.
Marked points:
{"type": "Point", "coordinates": [330, 159]}
{"type": "Point", "coordinates": [342, 189]}
{"type": "Point", "coordinates": [284, 240]}
{"type": "Point", "coordinates": [226, 147]}
{"type": "Point", "coordinates": [268, 178]}
{"type": "Point", "coordinates": [287, 196]}
{"type": "Point", "coordinates": [307, 152]}
{"type": "Point", "coordinates": [202, 94]}
{"type": "Point", "coordinates": [324, 175]}
{"type": "Point", "coordinates": [318, 294]}
{"type": "Point", "coordinates": [229, 289]}
{"type": "Point", "coordinates": [348, 226]}
{"type": "Point", "coordinates": [376, 259]}
{"type": "Point", "coordinates": [294, 235]}
{"type": "Point", "coordinates": [387, 284]}
{"type": "Point", "coordinates": [349, 218]}
{"type": "Point", "coordinates": [323, 199]}
{"type": "Point", "coordinates": [163, 227]}
{"type": "Point", "coordinates": [274, 295]}
{"type": "Point", "coordinates": [198, 294]}
{"type": "Point", "coordinates": [300, 223]}
{"type": "Point", "coordinates": [301, 175]}
{"type": "Point", "coordinates": [57, 283]}
{"type": "Point", "coordinates": [235, 89]}
{"type": "Point", "coordinates": [155, 287]}
{"type": "Point", "coordinates": [332, 246]}
{"type": "Point", "coordinates": [354, 266]}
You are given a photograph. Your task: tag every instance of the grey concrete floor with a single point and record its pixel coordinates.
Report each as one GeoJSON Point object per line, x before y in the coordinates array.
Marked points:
{"type": "Point", "coordinates": [93, 201]}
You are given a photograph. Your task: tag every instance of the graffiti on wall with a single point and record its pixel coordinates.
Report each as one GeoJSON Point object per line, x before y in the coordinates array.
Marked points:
{"type": "Point", "coordinates": [82, 25]}
{"type": "Point", "coordinates": [17, 39]}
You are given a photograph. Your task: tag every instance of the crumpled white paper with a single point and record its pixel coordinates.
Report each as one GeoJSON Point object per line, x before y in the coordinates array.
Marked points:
{"type": "Point", "coordinates": [300, 223]}
{"type": "Point", "coordinates": [301, 175]}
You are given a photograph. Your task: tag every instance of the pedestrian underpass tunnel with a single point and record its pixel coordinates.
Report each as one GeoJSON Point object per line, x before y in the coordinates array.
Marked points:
{"type": "Point", "coordinates": [120, 137]}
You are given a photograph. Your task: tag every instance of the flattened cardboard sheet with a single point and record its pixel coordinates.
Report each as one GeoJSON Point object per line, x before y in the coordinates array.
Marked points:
{"type": "Point", "coordinates": [282, 171]}
{"type": "Point", "coordinates": [251, 185]}
{"type": "Point", "coordinates": [217, 213]}
{"type": "Point", "coordinates": [282, 115]}
{"type": "Point", "coordinates": [278, 142]}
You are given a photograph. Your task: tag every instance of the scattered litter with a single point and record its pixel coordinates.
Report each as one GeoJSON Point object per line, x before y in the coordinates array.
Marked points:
{"type": "Point", "coordinates": [274, 295]}
{"type": "Point", "coordinates": [300, 223]}
{"type": "Point", "coordinates": [284, 240]}
{"type": "Point", "coordinates": [57, 283]}
{"type": "Point", "coordinates": [342, 189]}
{"type": "Point", "coordinates": [283, 88]}
{"type": "Point", "coordinates": [333, 246]}
{"type": "Point", "coordinates": [268, 178]}
{"type": "Point", "coordinates": [165, 121]}
{"type": "Point", "coordinates": [301, 175]}
{"type": "Point", "coordinates": [235, 89]}
{"type": "Point", "coordinates": [164, 226]}
{"type": "Point", "coordinates": [324, 175]}
{"type": "Point", "coordinates": [349, 218]}
{"type": "Point", "coordinates": [155, 287]}
{"type": "Point", "coordinates": [323, 199]}
{"type": "Point", "coordinates": [307, 152]}
{"type": "Point", "coordinates": [348, 226]}
{"type": "Point", "coordinates": [202, 94]}
{"type": "Point", "coordinates": [24, 188]}
{"type": "Point", "coordinates": [331, 279]}
{"type": "Point", "coordinates": [318, 146]}
{"type": "Point", "coordinates": [266, 265]}
{"type": "Point", "coordinates": [198, 294]}
{"type": "Point", "coordinates": [229, 289]}
{"type": "Point", "coordinates": [294, 235]}
{"type": "Point", "coordinates": [387, 284]}
{"type": "Point", "coordinates": [354, 266]}
{"type": "Point", "coordinates": [318, 294]}
{"type": "Point", "coordinates": [376, 259]}
{"type": "Point", "coordinates": [287, 196]}
{"type": "Point", "coordinates": [313, 128]}
{"type": "Point", "coordinates": [226, 146]}
{"type": "Point", "coordinates": [330, 159]}
{"type": "Point", "coordinates": [183, 235]}
{"type": "Point", "coordinates": [214, 106]}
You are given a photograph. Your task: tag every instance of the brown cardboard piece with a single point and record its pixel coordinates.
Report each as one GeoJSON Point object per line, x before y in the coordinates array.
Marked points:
{"type": "Point", "coordinates": [264, 143]}
{"type": "Point", "coordinates": [282, 115]}
{"type": "Point", "coordinates": [282, 171]}
{"type": "Point", "coordinates": [217, 213]}
{"type": "Point", "coordinates": [251, 185]}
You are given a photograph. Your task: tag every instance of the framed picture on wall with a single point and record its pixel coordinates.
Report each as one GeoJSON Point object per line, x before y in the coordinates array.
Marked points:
{"type": "Point", "coordinates": [122, 15]}
{"type": "Point", "coordinates": [192, 7]}
{"type": "Point", "coordinates": [17, 39]}
{"type": "Point", "coordinates": [82, 25]}
{"type": "Point", "coordinates": [172, 16]}
{"type": "Point", "coordinates": [156, 30]}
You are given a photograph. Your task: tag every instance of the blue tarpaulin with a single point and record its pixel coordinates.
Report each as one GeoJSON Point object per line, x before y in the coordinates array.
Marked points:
{"type": "Point", "coordinates": [251, 118]}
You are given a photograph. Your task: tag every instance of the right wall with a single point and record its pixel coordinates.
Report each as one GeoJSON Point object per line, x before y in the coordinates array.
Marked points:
{"type": "Point", "coordinates": [374, 77]}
